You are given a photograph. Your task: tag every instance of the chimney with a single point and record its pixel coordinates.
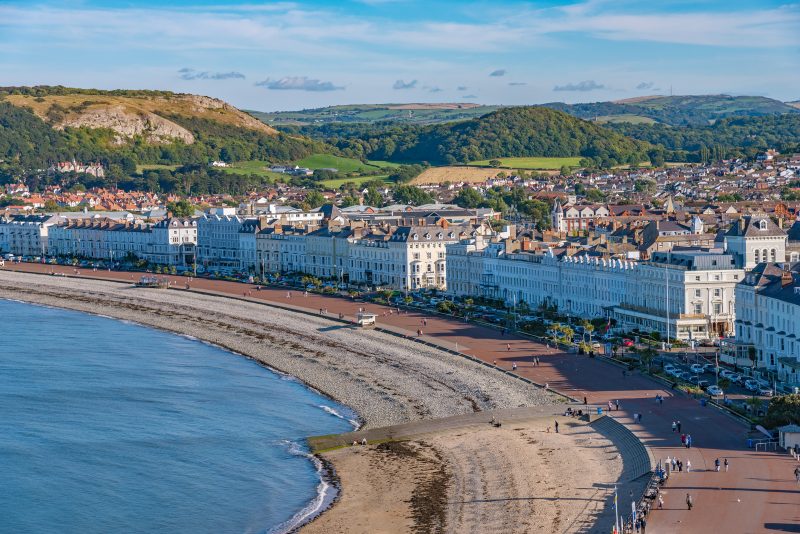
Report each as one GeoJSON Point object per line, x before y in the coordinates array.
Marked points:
{"type": "Point", "coordinates": [786, 278]}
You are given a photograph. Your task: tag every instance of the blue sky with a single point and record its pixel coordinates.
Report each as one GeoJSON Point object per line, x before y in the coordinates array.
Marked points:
{"type": "Point", "coordinates": [292, 55]}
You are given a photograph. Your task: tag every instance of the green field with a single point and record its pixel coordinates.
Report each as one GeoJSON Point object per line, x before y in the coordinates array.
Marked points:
{"type": "Point", "coordinates": [343, 165]}
{"type": "Point", "coordinates": [155, 167]}
{"type": "Point", "coordinates": [251, 167]}
{"type": "Point", "coordinates": [532, 163]}
{"type": "Point", "coordinates": [626, 117]}
{"type": "Point", "coordinates": [337, 182]}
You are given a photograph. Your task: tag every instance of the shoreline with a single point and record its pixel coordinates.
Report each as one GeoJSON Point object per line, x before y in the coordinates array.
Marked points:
{"type": "Point", "coordinates": [381, 389]}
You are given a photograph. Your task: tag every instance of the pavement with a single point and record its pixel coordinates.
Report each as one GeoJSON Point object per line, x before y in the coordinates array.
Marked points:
{"type": "Point", "coordinates": [758, 494]}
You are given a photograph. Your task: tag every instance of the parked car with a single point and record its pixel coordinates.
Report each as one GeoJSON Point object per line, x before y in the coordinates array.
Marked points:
{"type": "Point", "coordinates": [736, 378]}
{"type": "Point", "coordinates": [752, 385]}
{"type": "Point", "coordinates": [726, 373]}
{"type": "Point", "coordinates": [766, 392]}
{"type": "Point", "coordinates": [697, 368]}
{"type": "Point", "coordinates": [715, 391]}
{"type": "Point", "coordinates": [694, 379]}
{"type": "Point", "coordinates": [627, 342]}
{"type": "Point", "coordinates": [710, 368]}
{"type": "Point", "coordinates": [703, 384]}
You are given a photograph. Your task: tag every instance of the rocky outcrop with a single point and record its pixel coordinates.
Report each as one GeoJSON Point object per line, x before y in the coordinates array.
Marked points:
{"type": "Point", "coordinates": [128, 124]}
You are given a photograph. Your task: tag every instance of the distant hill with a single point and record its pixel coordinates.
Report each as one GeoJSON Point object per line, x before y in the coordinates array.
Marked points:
{"type": "Point", "coordinates": [794, 104]}
{"type": "Point", "coordinates": [676, 110]}
{"type": "Point", "coordinates": [371, 113]}
{"type": "Point", "coordinates": [42, 124]}
{"type": "Point", "coordinates": [507, 132]}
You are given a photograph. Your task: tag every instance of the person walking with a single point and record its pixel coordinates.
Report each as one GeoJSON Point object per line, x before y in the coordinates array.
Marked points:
{"type": "Point", "coordinates": [508, 347]}
{"type": "Point", "coordinates": [797, 474]}
{"type": "Point", "coordinates": [660, 502]}
{"type": "Point", "coordinates": [689, 501]}
{"type": "Point", "coordinates": [680, 466]}
{"type": "Point", "coordinates": [688, 441]}
{"type": "Point", "coordinates": [584, 401]}
{"type": "Point", "coordinates": [726, 465]}
{"type": "Point", "coordinates": [616, 403]}
{"type": "Point", "coordinates": [674, 426]}
{"type": "Point", "coordinates": [610, 406]}
{"type": "Point", "coordinates": [716, 465]}
{"type": "Point", "coordinates": [679, 426]}
{"type": "Point", "coordinates": [643, 524]}
{"type": "Point", "coordinates": [514, 366]}
{"type": "Point", "coordinates": [556, 425]}
{"type": "Point", "coordinates": [689, 466]}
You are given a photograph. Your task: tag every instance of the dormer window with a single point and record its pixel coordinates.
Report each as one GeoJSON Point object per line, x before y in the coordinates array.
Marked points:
{"type": "Point", "coordinates": [762, 224]}
{"type": "Point", "coordinates": [427, 236]}
{"type": "Point", "coordinates": [415, 237]}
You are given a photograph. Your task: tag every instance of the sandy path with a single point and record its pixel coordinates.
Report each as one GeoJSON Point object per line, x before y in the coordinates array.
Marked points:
{"type": "Point", "coordinates": [519, 478]}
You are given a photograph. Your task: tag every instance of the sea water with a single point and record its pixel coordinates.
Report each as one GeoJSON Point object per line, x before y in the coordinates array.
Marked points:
{"type": "Point", "coordinates": [107, 426]}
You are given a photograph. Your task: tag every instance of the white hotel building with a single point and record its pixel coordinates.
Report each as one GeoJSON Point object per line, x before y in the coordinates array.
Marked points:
{"type": "Point", "coordinates": [701, 286]}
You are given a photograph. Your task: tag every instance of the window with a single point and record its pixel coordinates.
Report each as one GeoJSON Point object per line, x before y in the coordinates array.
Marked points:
{"type": "Point", "coordinates": [717, 308]}
{"type": "Point", "coordinates": [697, 293]}
{"type": "Point", "coordinates": [698, 308]}
{"type": "Point", "coordinates": [717, 292]}
{"type": "Point", "coordinates": [758, 258]}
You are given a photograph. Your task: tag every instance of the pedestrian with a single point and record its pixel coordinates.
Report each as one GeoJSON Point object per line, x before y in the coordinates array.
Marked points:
{"type": "Point", "coordinates": [688, 441]}
{"type": "Point", "coordinates": [584, 401]}
{"type": "Point", "coordinates": [661, 400]}
{"type": "Point", "coordinates": [514, 366]}
{"type": "Point", "coordinates": [683, 439]}
{"type": "Point", "coordinates": [643, 522]}
{"type": "Point", "coordinates": [508, 347]}
{"type": "Point", "coordinates": [556, 425]}
{"type": "Point", "coordinates": [640, 418]}
{"type": "Point", "coordinates": [660, 502]}
{"type": "Point", "coordinates": [674, 463]}
{"type": "Point", "coordinates": [674, 426]}
{"type": "Point", "coordinates": [609, 406]}
{"type": "Point", "coordinates": [726, 465]}
{"type": "Point", "coordinates": [689, 501]}
{"type": "Point", "coordinates": [424, 322]}
{"type": "Point", "coordinates": [716, 465]}
{"type": "Point", "coordinates": [616, 402]}
{"type": "Point", "coordinates": [689, 466]}
{"type": "Point", "coordinates": [680, 466]}
{"type": "Point", "coordinates": [494, 362]}
{"type": "Point", "coordinates": [679, 426]}
{"type": "Point", "coordinates": [797, 474]}
{"type": "Point", "coordinates": [546, 386]}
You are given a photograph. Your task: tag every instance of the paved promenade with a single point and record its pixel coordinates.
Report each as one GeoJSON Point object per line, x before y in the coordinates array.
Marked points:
{"type": "Point", "coordinates": [758, 494]}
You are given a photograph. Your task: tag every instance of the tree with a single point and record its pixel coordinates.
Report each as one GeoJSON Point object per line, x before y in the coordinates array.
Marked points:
{"type": "Point", "coordinates": [495, 163]}
{"type": "Point", "coordinates": [182, 208]}
{"type": "Point", "coordinates": [373, 197]}
{"type": "Point", "coordinates": [314, 199]}
{"type": "Point", "coordinates": [468, 198]}
{"type": "Point", "coordinates": [595, 195]}
{"type": "Point", "coordinates": [409, 194]}
{"type": "Point", "coordinates": [783, 410]}
{"type": "Point", "coordinates": [565, 170]}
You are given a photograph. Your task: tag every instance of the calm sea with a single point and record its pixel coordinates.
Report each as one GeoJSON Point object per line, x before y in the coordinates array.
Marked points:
{"type": "Point", "coordinates": [111, 427]}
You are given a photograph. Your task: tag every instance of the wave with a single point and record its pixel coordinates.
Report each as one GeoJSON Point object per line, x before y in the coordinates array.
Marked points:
{"type": "Point", "coordinates": [325, 493]}
{"type": "Point", "coordinates": [356, 424]}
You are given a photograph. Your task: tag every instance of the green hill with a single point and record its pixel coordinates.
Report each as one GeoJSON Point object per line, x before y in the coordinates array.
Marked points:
{"type": "Point", "coordinates": [372, 113]}
{"type": "Point", "coordinates": [508, 132]}
{"type": "Point", "coordinates": [676, 110]}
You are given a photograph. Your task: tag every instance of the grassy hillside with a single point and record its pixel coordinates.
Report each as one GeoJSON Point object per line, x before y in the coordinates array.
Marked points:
{"type": "Point", "coordinates": [343, 165]}
{"type": "Point", "coordinates": [368, 113]}
{"type": "Point", "coordinates": [676, 110]}
{"type": "Point", "coordinates": [126, 129]}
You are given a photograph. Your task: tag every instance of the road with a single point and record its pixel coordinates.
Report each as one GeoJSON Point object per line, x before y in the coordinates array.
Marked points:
{"type": "Point", "coordinates": [758, 494]}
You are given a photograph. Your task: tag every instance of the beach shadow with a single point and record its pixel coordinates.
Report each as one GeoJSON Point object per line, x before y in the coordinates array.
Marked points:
{"type": "Point", "coordinates": [336, 327]}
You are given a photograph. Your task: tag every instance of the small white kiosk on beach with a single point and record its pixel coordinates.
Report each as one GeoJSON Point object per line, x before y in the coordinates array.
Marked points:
{"type": "Point", "coordinates": [365, 319]}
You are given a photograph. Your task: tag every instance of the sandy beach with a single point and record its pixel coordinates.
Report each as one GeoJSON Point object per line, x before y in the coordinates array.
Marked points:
{"type": "Point", "coordinates": [522, 477]}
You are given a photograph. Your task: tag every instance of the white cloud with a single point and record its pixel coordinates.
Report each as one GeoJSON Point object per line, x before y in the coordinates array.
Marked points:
{"type": "Point", "coordinates": [191, 74]}
{"type": "Point", "coordinates": [586, 85]}
{"type": "Point", "coordinates": [298, 83]}
{"type": "Point", "coordinates": [401, 85]}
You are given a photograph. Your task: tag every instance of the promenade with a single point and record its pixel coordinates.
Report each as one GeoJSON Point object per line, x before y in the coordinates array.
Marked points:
{"type": "Point", "coordinates": [758, 494]}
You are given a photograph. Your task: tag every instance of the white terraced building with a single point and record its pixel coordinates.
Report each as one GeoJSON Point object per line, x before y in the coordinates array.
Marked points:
{"type": "Point", "coordinates": [701, 286]}
{"type": "Point", "coordinates": [26, 235]}
{"type": "Point", "coordinates": [768, 323]}
{"type": "Point", "coordinates": [100, 239]}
